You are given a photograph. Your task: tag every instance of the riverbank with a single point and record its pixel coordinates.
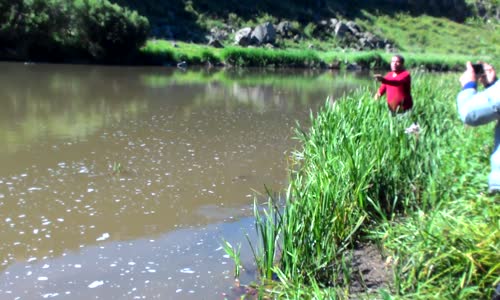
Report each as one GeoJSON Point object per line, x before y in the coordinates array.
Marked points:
{"type": "Point", "coordinates": [415, 186]}
{"type": "Point", "coordinates": [184, 55]}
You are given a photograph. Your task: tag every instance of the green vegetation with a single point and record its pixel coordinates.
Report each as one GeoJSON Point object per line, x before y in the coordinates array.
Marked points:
{"type": "Point", "coordinates": [448, 253]}
{"type": "Point", "coordinates": [116, 168]}
{"type": "Point", "coordinates": [361, 176]}
{"type": "Point", "coordinates": [62, 30]}
{"type": "Point", "coordinates": [426, 34]}
{"type": "Point", "coordinates": [164, 52]}
{"type": "Point", "coordinates": [98, 31]}
{"type": "Point", "coordinates": [234, 253]}
{"type": "Point", "coordinates": [444, 30]}
{"type": "Point", "coordinates": [261, 58]}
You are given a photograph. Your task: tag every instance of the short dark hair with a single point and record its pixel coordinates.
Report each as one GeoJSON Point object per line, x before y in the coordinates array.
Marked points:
{"type": "Point", "coordinates": [400, 57]}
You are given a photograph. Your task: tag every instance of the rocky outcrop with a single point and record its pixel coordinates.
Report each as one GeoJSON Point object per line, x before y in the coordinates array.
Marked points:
{"type": "Point", "coordinates": [350, 35]}
{"type": "Point", "coordinates": [263, 34]}
{"type": "Point", "coordinates": [347, 32]}
{"type": "Point", "coordinates": [242, 36]}
{"type": "Point", "coordinates": [285, 30]}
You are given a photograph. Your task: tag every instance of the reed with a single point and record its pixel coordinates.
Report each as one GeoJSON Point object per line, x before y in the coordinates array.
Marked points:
{"type": "Point", "coordinates": [234, 254]}
{"type": "Point", "coordinates": [259, 57]}
{"type": "Point", "coordinates": [268, 225]}
{"type": "Point", "coordinates": [362, 174]}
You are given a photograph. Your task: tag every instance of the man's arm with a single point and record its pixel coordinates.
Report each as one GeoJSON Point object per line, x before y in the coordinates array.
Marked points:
{"type": "Point", "coordinates": [404, 78]}
{"type": "Point", "coordinates": [479, 108]}
{"type": "Point", "coordinates": [381, 90]}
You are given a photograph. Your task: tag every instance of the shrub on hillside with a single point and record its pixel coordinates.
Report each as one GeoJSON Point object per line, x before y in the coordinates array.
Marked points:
{"type": "Point", "coordinates": [41, 29]}
{"type": "Point", "coordinates": [36, 25]}
{"type": "Point", "coordinates": [107, 30]}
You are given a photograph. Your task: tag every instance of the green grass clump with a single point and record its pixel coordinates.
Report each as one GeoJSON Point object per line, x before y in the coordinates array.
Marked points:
{"type": "Point", "coordinates": [157, 53]}
{"type": "Point", "coordinates": [357, 164]}
{"type": "Point", "coordinates": [361, 176]}
{"type": "Point", "coordinates": [167, 52]}
{"type": "Point", "coordinates": [259, 57]}
{"type": "Point", "coordinates": [448, 253]}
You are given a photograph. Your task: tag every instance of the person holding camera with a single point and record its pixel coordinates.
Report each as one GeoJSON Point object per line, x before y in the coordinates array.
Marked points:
{"type": "Point", "coordinates": [397, 85]}
{"type": "Point", "coordinates": [478, 108]}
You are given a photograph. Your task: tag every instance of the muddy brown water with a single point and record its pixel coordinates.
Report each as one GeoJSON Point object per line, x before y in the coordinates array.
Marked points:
{"type": "Point", "coordinates": [121, 182]}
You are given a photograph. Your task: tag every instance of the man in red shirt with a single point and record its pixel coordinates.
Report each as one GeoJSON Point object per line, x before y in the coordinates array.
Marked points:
{"type": "Point", "coordinates": [397, 85]}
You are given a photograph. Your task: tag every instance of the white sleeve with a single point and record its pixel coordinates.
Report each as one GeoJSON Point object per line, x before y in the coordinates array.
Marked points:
{"type": "Point", "coordinates": [479, 108]}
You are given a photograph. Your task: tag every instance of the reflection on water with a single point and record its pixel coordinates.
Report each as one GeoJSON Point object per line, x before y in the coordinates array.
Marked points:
{"type": "Point", "coordinates": [115, 182]}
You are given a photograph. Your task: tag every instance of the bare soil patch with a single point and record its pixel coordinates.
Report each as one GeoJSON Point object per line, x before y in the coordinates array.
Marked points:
{"type": "Point", "coordinates": [370, 271]}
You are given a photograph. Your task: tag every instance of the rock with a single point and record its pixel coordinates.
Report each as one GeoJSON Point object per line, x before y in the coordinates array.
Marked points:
{"type": "Point", "coordinates": [263, 34]}
{"type": "Point", "coordinates": [341, 29]}
{"type": "Point", "coordinates": [218, 34]}
{"type": "Point", "coordinates": [242, 36]}
{"type": "Point", "coordinates": [284, 28]}
{"type": "Point", "coordinates": [353, 27]}
{"type": "Point", "coordinates": [215, 43]}
{"type": "Point", "coordinates": [333, 23]}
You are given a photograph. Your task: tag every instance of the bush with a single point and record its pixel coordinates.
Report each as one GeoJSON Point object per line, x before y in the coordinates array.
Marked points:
{"type": "Point", "coordinates": [108, 30]}
{"type": "Point", "coordinates": [47, 29]}
{"type": "Point", "coordinates": [35, 27]}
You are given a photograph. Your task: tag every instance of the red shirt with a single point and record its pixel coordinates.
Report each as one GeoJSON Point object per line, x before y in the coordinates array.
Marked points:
{"type": "Point", "coordinates": [398, 88]}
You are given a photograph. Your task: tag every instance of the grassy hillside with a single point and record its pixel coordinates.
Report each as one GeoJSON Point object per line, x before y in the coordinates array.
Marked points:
{"type": "Point", "coordinates": [425, 26]}
{"type": "Point", "coordinates": [436, 34]}
{"type": "Point", "coordinates": [112, 33]}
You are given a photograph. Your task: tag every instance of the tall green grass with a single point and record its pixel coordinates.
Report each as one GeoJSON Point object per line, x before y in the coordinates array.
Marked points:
{"type": "Point", "coordinates": [160, 52]}
{"type": "Point", "coordinates": [357, 164]}
{"type": "Point", "coordinates": [360, 171]}
{"type": "Point", "coordinates": [261, 57]}
{"type": "Point", "coordinates": [451, 252]}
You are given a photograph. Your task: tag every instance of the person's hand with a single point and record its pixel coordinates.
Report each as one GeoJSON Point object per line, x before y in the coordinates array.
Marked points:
{"type": "Point", "coordinates": [489, 75]}
{"type": "Point", "coordinates": [378, 77]}
{"type": "Point", "coordinates": [468, 75]}
{"type": "Point", "coordinates": [377, 96]}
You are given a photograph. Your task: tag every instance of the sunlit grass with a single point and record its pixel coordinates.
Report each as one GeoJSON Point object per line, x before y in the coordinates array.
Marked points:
{"type": "Point", "coordinates": [360, 176]}
{"type": "Point", "coordinates": [447, 253]}
{"type": "Point", "coordinates": [167, 52]}
{"type": "Point", "coordinates": [261, 57]}
{"type": "Point", "coordinates": [234, 254]}
{"type": "Point", "coordinates": [427, 34]}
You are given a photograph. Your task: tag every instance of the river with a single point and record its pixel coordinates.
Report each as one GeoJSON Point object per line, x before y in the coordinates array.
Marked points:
{"type": "Point", "coordinates": [122, 182]}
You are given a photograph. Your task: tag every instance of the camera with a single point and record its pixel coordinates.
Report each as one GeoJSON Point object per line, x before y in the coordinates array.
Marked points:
{"type": "Point", "coordinates": [478, 69]}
